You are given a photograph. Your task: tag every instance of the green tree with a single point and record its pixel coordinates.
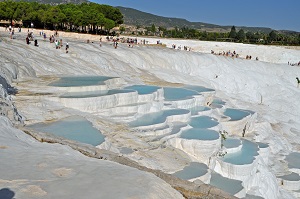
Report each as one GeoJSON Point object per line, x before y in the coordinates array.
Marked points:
{"type": "Point", "coordinates": [160, 28]}
{"type": "Point", "coordinates": [241, 35]}
{"type": "Point", "coordinates": [109, 24]}
{"type": "Point", "coordinates": [8, 11]}
{"type": "Point", "coordinates": [232, 33]}
{"type": "Point", "coordinates": [250, 36]}
{"type": "Point", "coordinates": [153, 28]}
{"type": "Point", "coordinates": [272, 36]}
{"type": "Point", "coordinates": [122, 29]}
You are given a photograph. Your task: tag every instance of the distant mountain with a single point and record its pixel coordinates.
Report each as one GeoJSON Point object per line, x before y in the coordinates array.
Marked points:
{"type": "Point", "coordinates": [135, 17]}
{"type": "Point", "coordinates": [55, 2]}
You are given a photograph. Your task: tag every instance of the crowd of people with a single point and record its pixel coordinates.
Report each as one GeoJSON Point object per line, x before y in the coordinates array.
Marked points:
{"type": "Point", "coordinates": [130, 41]}
{"type": "Point", "coordinates": [232, 54]}
{"type": "Point", "coordinates": [294, 64]}
{"type": "Point", "coordinates": [186, 48]}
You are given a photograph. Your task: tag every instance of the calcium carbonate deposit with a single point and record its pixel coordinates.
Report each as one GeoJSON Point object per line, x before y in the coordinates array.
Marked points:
{"type": "Point", "coordinates": [228, 122]}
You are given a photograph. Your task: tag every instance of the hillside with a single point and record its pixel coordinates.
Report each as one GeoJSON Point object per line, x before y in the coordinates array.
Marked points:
{"type": "Point", "coordinates": [136, 17]}
{"type": "Point", "coordinates": [55, 2]}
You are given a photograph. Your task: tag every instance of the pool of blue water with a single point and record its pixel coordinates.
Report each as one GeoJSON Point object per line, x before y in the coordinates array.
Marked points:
{"type": "Point", "coordinates": [157, 117]}
{"type": "Point", "coordinates": [72, 128]}
{"type": "Point", "coordinates": [87, 94]}
{"type": "Point", "coordinates": [231, 143]}
{"type": "Point", "coordinates": [199, 89]}
{"type": "Point", "coordinates": [195, 110]}
{"type": "Point", "coordinates": [236, 114]}
{"type": "Point", "coordinates": [229, 185]}
{"type": "Point", "coordinates": [291, 177]}
{"type": "Point", "coordinates": [80, 81]}
{"type": "Point", "coordinates": [194, 170]}
{"type": "Point", "coordinates": [217, 103]}
{"type": "Point", "coordinates": [245, 156]}
{"type": "Point", "coordinates": [200, 134]}
{"type": "Point", "coordinates": [262, 145]}
{"type": "Point", "coordinates": [293, 160]}
{"type": "Point", "coordinates": [203, 122]}
{"type": "Point", "coordinates": [143, 89]}
{"type": "Point", "coordinates": [175, 94]}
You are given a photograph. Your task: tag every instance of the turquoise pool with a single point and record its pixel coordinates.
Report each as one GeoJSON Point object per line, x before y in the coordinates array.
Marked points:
{"type": "Point", "coordinates": [175, 94]}
{"type": "Point", "coordinates": [157, 117]}
{"type": "Point", "coordinates": [229, 185]}
{"type": "Point", "coordinates": [199, 89]}
{"type": "Point", "coordinates": [80, 81]}
{"type": "Point", "coordinates": [236, 114]}
{"type": "Point", "coordinates": [232, 143]}
{"type": "Point", "coordinates": [195, 110]}
{"type": "Point", "coordinates": [291, 177]}
{"type": "Point", "coordinates": [293, 160]}
{"type": "Point", "coordinates": [203, 122]}
{"type": "Point", "coordinates": [194, 170]}
{"type": "Point", "coordinates": [72, 128]}
{"type": "Point", "coordinates": [200, 134]}
{"type": "Point", "coordinates": [143, 89]}
{"type": "Point", "coordinates": [88, 94]}
{"type": "Point", "coordinates": [246, 155]}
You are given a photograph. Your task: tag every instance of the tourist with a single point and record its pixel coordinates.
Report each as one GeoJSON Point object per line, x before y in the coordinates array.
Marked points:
{"type": "Point", "coordinates": [27, 40]}
{"type": "Point", "coordinates": [67, 47]}
{"type": "Point", "coordinates": [115, 44]}
{"type": "Point", "coordinates": [56, 44]}
{"type": "Point", "coordinates": [298, 82]}
{"type": "Point", "coordinates": [36, 43]}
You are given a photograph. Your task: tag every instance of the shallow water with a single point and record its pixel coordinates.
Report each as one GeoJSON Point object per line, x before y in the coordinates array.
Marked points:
{"type": "Point", "coordinates": [198, 88]}
{"type": "Point", "coordinates": [231, 143]}
{"type": "Point", "coordinates": [175, 94]}
{"type": "Point", "coordinates": [245, 156]}
{"type": "Point", "coordinates": [195, 110]}
{"type": "Point", "coordinates": [80, 81]}
{"type": "Point", "coordinates": [194, 170]}
{"type": "Point", "coordinates": [87, 94]}
{"type": "Point", "coordinates": [291, 177]}
{"type": "Point", "coordinates": [229, 185]}
{"type": "Point", "coordinates": [143, 89]}
{"type": "Point", "coordinates": [203, 122]}
{"type": "Point", "coordinates": [157, 117]}
{"type": "Point", "coordinates": [73, 128]}
{"type": "Point", "coordinates": [293, 160]}
{"type": "Point", "coordinates": [200, 134]}
{"type": "Point", "coordinates": [236, 114]}
{"type": "Point", "coordinates": [262, 145]}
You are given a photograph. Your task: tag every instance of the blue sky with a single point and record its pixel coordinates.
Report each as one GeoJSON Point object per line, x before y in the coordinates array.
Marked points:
{"type": "Point", "coordinates": [279, 15]}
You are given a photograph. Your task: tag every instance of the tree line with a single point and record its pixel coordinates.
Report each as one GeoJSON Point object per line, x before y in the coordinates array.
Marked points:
{"type": "Point", "coordinates": [241, 36]}
{"type": "Point", "coordinates": [85, 17]}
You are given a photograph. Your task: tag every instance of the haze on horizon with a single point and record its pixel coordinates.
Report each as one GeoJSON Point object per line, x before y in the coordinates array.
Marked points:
{"type": "Point", "coordinates": [278, 15]}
